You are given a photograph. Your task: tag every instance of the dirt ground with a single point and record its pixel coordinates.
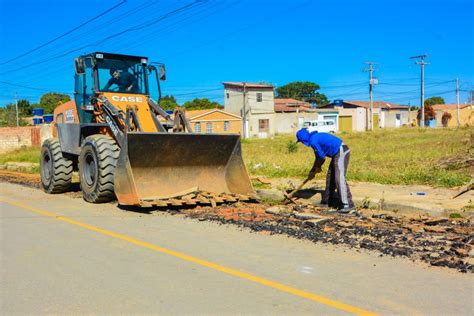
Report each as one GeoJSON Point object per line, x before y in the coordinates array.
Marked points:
{"type": "Point", "coordinates": [438, 241]}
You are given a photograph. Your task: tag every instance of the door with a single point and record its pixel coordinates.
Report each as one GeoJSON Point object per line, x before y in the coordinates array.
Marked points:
{"type": "Point", "coordinates": [375, 121]}
{"type": "Point", "coordinates": [397, 120]}
{"type": "Point", "coordinates": [263, 128]}
{"type": "Point", "coordinates": [345, 123]}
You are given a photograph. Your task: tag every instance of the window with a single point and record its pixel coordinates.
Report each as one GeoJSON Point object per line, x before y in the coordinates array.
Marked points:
{"type": "Point", "coordinates": [263, 125]}
{"type": "Point", "coordinates": [208, 128]}
{"type": "Point", "coordinates": [259, 97]}
{"type": "Point", "coordinates": [60, 118]}
{"type": "Point", "coordinates": [329, 123]}
{"type": "Point", "coordinates": [227, 95]}
{"type": "Point", "coordinates": [226, 126]}
{"type": "Point", "coordinates": [132, 75]}
{"type": "Point", "coordinates": [197, 127]}
{"type": "Point", "coordinates": [315, 124]}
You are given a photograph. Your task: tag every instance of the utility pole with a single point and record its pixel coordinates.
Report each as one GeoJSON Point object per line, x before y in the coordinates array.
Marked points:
{"type": "Point", "coordinates": [244, 108]}
{"type": "Point", "coordinates": [457, 103]}
{"type": "Point", "coordinates": [372, 82]}
{"type": "Point", "coordinates": [16, 109]}
{"type": "Point", "coordinates": [422, 63]}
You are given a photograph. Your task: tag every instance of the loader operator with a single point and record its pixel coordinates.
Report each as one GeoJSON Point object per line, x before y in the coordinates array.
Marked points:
{"type": "Point", "coordinates": [327, 145]}
{"type": "Point", "coordinates": [125, 81]}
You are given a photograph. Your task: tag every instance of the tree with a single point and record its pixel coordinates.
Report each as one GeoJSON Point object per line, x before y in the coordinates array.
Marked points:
{"type": "Point", "coordinates": [430, 114]}
{"type": "Point", "coordinates": [168, 102]}
{"type": "Point", "coordinates": [25, 108]}
{"type": "Point", "coordinates": [201, 104]}
{"type": "Point", "coordinates": [304, 91]}
{"type": "Point", "coordinates": [49, 101]}
{"type": "Point", "coordinates": [8, 114]}
{"type": "Point", "coordinates": [434, 100]}
{"type": "Point", "coordinates": [445, 119]}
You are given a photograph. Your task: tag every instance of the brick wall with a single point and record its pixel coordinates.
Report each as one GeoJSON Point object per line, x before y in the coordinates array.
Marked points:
{"type": "Point", "coordinates": [15, 137]}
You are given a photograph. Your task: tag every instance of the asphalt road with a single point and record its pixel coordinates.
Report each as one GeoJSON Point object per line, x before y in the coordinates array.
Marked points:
{"type": "Point", "coordinates": [64, 256]}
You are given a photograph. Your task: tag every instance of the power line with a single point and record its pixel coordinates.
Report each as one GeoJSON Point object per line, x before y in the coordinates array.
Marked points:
{"type": "Point", "coordinates": [131, 29]}
{"type": "Point", "coordinates": [23, 86]}
{"type": "Point", "coordinates": [64, 34]}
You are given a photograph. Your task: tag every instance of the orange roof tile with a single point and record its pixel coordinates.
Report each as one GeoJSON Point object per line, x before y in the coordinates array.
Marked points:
{"type": "Point", "coordinates": [441, 107]}
{"type": "Point", "coordinates": [376, 104]}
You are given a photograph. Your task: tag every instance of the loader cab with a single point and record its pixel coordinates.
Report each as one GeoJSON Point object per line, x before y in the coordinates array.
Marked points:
{"type": "Point", "coordinates": [103, 72]}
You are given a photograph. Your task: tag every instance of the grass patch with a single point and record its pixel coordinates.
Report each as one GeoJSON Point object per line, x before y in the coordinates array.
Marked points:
{"type": "Point", "coordinates": [24, 154]}
{"type": "Point", "coordinates": [398, 156]}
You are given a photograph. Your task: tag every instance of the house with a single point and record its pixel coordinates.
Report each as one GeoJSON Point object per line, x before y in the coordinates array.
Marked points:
{"type": "Point", "coordinates": [354, 115]}
{"type": "Point", "coordinates": [466, 114]}
{"type": "Point", "coordinates": [254, 102]}
{"type": "Point", "coordinates": [290, 114]}
{"type": "Point", "coordinates": [214, 121]}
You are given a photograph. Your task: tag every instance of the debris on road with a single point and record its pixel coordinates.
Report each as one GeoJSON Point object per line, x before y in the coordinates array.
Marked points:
{"type": "Point", "coordinates": [440, 241]}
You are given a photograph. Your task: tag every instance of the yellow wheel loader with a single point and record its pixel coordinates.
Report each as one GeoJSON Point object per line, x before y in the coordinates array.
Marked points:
{"type": "Point", "coordinates": [125, 145]}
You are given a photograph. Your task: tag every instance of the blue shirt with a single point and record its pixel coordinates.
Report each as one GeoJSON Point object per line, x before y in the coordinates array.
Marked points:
{"type": "Point", "coordinates": [323, 144]}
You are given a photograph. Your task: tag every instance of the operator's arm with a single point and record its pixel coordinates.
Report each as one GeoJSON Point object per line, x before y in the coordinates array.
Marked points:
{"type": "Point", "coordinates": [133, 82]}
{"type": "Point", "coordinates": [319, 159]}
{"type": "Point", "coordinates": [317, 166]}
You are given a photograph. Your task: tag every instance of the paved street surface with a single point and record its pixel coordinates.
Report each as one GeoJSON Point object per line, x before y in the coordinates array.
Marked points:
{"type": "Point", "coordinates": [64, 256]}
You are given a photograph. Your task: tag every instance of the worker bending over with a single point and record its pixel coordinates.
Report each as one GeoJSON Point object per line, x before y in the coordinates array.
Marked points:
{"type": "Point", "coordinates": [337, 193]}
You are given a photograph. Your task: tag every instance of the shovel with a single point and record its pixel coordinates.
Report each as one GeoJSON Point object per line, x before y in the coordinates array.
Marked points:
{"type": "Point", "coordinates": [289, 196]}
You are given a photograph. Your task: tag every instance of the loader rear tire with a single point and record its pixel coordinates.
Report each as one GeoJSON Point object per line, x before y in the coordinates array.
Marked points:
{"type": "Point", "coordinates": [97, 161]}
{"type": "Point", "coordinates": [56, 170]}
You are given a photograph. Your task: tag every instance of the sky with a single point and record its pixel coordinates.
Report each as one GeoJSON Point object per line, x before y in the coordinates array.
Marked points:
{"type": "Point", "coordinates": [206, 42]}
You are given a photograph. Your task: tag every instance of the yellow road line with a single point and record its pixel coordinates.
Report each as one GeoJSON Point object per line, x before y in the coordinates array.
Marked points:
{"type": "Point", "coordinates": [243, 275]}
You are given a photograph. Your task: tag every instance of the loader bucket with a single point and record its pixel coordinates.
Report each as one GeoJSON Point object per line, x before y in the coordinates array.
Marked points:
{"type": "Point", "coordinates": [157, 166]}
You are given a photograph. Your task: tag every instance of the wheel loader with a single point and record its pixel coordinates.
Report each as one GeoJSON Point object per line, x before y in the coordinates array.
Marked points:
{"type": "Point", "coordinates": [124, 145]}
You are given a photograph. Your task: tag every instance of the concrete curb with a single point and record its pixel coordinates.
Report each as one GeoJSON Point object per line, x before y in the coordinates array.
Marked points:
{"type": "Point", "coordinates": [28, 167]}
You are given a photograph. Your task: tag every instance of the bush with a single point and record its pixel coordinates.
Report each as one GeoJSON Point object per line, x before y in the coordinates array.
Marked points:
{"type": "Point", "coordinates": [292, 147]}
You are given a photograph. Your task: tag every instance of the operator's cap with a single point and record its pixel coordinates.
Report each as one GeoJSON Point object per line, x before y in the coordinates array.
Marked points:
{"type": "Point", "coordinates": [112, 70]}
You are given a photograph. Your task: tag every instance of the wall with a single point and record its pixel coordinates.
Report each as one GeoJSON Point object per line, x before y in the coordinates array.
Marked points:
{"type": "Point", "coordinates": [234, 103]}
{"type": "Point", "coordinates": [254, 128]}
{"type": "Point", "coordinates": [466, 117]}
{"type": "Point", "coordinates": [287, 123]}
{"type": "Point", "coordinates": [390, 118]}
{"type": "Point", "coordinates": [267, 105]}
{"type": "Point", "coordinates": [358, 117]}
{"type": "Point", "coordinates": [217, 120]}
{"type": "Point", "coordinates": [12, 138]}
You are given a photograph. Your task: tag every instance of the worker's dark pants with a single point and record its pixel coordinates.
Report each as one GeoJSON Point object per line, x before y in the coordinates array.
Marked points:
{"type": "Point", "coordinates": [337, 192]}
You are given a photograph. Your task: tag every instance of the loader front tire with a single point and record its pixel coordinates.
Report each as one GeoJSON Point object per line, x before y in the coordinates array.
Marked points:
{"type": "Point", "coordinates": [97, 161]}
{"type": "Point", "coordinates": [56, 170]}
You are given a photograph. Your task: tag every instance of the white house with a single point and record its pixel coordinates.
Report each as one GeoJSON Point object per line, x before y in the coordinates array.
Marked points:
{"type": "Point", "coordinates": [255, 104]}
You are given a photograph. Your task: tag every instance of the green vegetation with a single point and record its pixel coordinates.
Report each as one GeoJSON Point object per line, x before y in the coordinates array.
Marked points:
{"type": "Point", "coordinates": [49, 101]}
{"type": "Point", "coordinates": [201, 104]}
{"type": "Point", "coordinates": [304, 91]}
{"type": "Point", "coordinates": [25, 154]}
{"type": "Point", "coordinates": [8, 113]}
{"type": "Point", "coordinates": [403, 156]}
{"type": "Point", "coordinates": [434, 100]}
{"type": "Point", "coordinates": [292, 146]}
